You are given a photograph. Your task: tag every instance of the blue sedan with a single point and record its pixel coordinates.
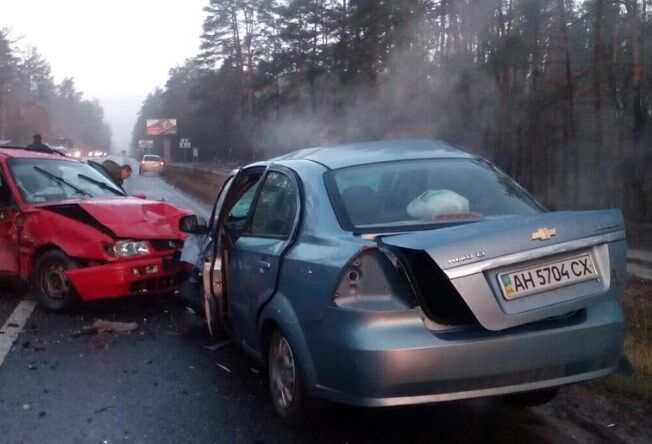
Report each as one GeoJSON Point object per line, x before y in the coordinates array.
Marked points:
{"type": "Point", "coordinates": [404, 272]}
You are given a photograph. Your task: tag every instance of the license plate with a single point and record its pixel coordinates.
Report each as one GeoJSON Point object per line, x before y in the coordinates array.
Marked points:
{"type": "Point", "coordinates": [516, 284]}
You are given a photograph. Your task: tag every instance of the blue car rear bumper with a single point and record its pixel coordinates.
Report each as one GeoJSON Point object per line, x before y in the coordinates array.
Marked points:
{"type": "Point", "coordinates": [383, 359]}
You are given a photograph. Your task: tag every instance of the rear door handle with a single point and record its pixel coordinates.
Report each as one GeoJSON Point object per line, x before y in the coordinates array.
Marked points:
{"type": "Point", "coordinates": [263, 265]}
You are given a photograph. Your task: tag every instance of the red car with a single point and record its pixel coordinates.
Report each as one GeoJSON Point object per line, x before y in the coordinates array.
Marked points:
{"type": "Point", "coordinates": [75, 235]}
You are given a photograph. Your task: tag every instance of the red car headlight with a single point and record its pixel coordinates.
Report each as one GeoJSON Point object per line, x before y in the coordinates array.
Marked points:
{"type": "Point", "coordinates": [128, 248]}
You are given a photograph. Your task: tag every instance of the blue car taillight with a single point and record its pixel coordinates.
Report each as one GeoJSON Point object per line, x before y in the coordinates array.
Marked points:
{"type": "Point", "coordinates": [371, 282]}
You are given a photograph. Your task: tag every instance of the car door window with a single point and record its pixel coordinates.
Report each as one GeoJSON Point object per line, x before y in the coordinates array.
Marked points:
{"type": "Point", "coordinates": [237, 218]}
{"type": "Point", "coordinates": [215, 214]}
{"type": "Point", "coordinates": [275, 207]}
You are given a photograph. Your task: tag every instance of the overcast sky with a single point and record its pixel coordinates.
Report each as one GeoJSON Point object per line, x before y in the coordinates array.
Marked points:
{"type": "Point", "coordinates": [117, 50]}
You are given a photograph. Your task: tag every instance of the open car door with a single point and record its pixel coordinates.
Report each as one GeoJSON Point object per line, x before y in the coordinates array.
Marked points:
{"type": "Point", "coordinates": [228, 222]}
{"type": "Point", "coordinates": [256, 254]}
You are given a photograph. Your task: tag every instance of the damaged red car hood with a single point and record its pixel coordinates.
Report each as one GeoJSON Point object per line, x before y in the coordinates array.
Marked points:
{"type": "Point", "coordinates": [131, 217]}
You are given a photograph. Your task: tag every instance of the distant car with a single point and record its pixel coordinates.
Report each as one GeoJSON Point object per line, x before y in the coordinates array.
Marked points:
{"type": "Point", "coordinates": [406, 272]}
{"type": "Point", "coordinates": [76, 236]}
{"type": "Point", "coordinates": [59, 148]}
{"type": "Point", "coordinates": [151, 163]}
{"type": "Point", "coordinates": [75, 154]}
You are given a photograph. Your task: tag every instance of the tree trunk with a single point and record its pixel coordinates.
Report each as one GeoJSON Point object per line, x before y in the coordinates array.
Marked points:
{"type": "Point", "coordinates": [635, 25]}
{"type": "Point", "coordinates": [598, 68]}
{"type": "Point", "coordinates": [239, 62]}
{"type": "Point", "coordinates": [570, 156]}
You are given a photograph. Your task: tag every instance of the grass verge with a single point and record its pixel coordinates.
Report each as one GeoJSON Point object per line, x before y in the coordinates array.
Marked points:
{"type": "Point", "coordinates": [637, 304]}
{"type": "Point", "coordinates": [200, 184]}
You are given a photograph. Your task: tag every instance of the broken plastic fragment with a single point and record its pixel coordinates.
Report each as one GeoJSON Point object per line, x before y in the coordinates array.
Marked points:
{"type": "Point", "coordinates": [101, 326]}
{"type": "Point", "coordinates": [225, 368]}
{"type": "Point", "coordinates": [217, 345]}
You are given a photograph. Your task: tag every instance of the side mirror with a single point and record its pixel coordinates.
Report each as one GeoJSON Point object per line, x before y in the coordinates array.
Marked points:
{"type": "Point", "coordinates": [193, 224]}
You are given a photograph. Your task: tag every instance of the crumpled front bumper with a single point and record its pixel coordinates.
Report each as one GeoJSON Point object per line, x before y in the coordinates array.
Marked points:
{"type": "Point", "coordinates": [119, 279]}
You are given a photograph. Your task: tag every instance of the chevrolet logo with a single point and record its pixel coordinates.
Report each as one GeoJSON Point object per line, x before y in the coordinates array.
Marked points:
{"type": "Point", "coordinates": [544, 233]}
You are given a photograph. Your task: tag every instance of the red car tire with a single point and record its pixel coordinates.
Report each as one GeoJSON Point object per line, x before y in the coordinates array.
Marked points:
{"type": "Point", "coordinates": [49, 283]}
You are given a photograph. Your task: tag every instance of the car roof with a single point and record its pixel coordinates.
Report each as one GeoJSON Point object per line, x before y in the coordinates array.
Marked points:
{"type": "Point", "coordinates": [18, 152]}
{"type": "Point", "coordinates": [352, 154]}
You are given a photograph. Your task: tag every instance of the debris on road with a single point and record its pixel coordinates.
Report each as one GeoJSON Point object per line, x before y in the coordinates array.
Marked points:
{"type": "Point", "coordinates": [223, 367]}
{"type": "Point", "coordinates": [103, 409]}
{"type": "Point", "coordinates": [103, 326]}
{"type": "Point", "coordinates": [217, 345]}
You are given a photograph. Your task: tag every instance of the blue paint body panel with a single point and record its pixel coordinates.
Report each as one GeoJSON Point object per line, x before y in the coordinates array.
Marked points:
{"type": "Point", "coordinates": [399, 354]}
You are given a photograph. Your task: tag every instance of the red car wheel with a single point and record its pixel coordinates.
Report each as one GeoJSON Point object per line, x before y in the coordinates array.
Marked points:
{"type": "Point", "coordinates": [49, 281]}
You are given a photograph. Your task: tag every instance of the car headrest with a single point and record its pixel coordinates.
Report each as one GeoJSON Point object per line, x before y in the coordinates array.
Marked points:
{"type": "Point", "coordinates": [362, 204]}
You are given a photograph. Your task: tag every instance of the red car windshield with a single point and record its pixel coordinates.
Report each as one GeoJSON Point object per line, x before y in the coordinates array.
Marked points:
{"type": "Point", "coordinates": [45, 180]}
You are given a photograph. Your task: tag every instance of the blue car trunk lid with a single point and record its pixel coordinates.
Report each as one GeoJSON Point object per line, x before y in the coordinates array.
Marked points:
{"type": "Point", "coordinates": [473, 255]}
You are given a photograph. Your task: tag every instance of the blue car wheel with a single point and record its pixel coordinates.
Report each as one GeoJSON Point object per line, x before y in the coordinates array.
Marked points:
{"type": "Point", "coordinates": [285, 381]}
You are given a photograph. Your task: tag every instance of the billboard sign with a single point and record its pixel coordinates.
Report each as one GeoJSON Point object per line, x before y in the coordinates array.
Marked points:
{"type": "Point", "coordinates": [161, 127]}
{"type": "Point", "coordinates": [145, 144]}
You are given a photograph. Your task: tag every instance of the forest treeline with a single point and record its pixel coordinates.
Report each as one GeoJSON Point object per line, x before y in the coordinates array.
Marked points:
{"type": "Point", "coordinates": [31, 102]}
{"type": "Point", "coordinates": [556, 92]}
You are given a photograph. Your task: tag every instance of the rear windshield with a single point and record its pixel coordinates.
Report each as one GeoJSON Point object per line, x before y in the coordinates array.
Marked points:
{"type": "Point", "coordinates": [150, 157]}
{"type": "Point", "coordinates": [418, 194]}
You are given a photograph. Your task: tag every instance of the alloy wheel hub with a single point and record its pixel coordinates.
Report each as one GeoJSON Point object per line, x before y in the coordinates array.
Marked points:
{"type": "Point", "coordinates": [283, 374]}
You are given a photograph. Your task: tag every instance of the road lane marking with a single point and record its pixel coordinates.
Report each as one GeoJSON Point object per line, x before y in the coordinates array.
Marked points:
{"type": "Point", "coordinates": [14, 325]}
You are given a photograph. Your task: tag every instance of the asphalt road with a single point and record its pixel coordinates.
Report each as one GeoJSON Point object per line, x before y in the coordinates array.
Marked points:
{"type": "Point", "coordinates": [160, 383]}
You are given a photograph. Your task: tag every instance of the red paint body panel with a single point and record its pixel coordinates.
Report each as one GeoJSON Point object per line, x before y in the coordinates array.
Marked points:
{"type": "Point", "coordinates": [9, 263]}
{"type": "Point", "coordinates": [135, 218]}
{"type": "Point", "coordinates": [31, 228]}
{"type": "Point", "coordinates": [43, 228]}
{"type": "Point", "coordinates": [116, 279]}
